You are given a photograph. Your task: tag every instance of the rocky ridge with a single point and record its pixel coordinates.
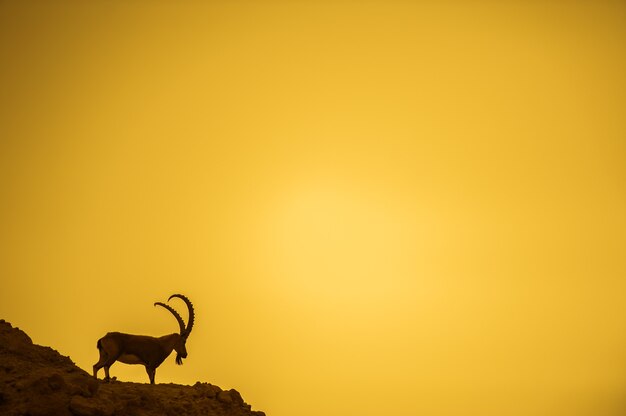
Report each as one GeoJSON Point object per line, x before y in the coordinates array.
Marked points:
{"type": "Point", "coordinates": [38, 381]}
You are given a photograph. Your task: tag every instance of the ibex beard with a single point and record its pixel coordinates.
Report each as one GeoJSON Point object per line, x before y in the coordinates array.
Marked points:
{"type": "Point", "coordinates": [142, 349]}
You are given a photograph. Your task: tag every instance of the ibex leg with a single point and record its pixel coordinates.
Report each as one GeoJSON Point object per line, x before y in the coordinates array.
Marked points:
{"type": "Point", "coordinates": [151, 372]}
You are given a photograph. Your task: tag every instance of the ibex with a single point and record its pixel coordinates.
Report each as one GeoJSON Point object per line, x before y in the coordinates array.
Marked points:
{"type": "Point", "coordinates": [143, 349]}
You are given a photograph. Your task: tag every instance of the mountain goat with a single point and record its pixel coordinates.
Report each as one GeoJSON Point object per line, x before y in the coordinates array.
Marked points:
{"type": "Point", "coordinates": [142, 349]}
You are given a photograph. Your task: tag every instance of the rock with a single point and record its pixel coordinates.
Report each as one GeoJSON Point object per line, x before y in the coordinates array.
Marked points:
{"type": "Point", "coordinates": [212, 391]}
{"type": "Point", "coordinates": [56, 382]}
{"type": "Point", "coordinates": [225, 397]}
{"type": "Point", "coordinates": [81, 406]}
{"type": "Point", "coordinates": [83, 385]}
{"type": "Point", "coordinates": [236, 397]}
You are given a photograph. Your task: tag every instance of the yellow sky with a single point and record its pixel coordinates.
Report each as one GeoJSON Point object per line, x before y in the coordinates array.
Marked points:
{"type": "Point", "coordinates": [378, 208]}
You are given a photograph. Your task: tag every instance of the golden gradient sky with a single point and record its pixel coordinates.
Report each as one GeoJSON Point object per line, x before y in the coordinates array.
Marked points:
{"type": "Point", "coordinates": [378, 207]}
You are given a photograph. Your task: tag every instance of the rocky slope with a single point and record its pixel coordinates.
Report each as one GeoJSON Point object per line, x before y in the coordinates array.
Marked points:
{"type": "Point", "coordinates": [38, 381]}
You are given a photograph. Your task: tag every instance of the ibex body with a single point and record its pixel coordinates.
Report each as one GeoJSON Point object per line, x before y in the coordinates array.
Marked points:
{"type": "Point", "coordinates": [143, 349]}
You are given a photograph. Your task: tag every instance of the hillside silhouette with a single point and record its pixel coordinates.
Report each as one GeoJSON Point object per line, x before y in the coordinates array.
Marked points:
{"type": "Point", "coordinates": [38, 381]}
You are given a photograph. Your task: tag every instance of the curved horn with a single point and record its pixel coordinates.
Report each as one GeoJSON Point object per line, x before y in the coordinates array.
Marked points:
{"type": "Point", "coordinates": [191, 313]}
{"type": "Point", "coordinates": [181, 323]}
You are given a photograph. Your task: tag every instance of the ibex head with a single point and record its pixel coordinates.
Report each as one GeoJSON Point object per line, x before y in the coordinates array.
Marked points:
{"type": "Point", "coordinates": [179, 345]}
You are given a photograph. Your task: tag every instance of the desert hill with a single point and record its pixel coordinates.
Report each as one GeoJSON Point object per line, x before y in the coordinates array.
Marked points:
{"type": "Point", "coordinates": [38, 381]}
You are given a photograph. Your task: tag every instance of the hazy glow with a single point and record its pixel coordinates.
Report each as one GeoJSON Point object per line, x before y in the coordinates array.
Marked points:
{"type": "Point", "coordinates": [377, 207]}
